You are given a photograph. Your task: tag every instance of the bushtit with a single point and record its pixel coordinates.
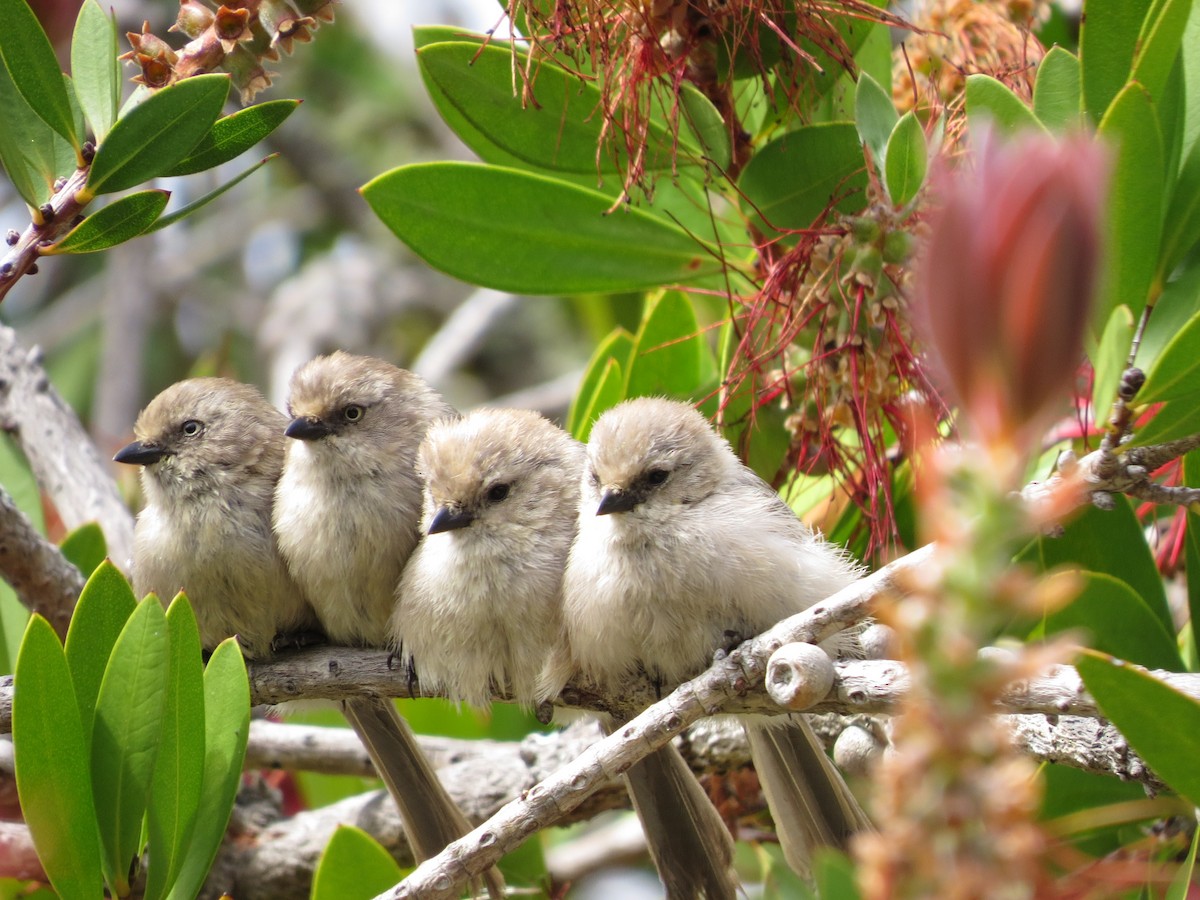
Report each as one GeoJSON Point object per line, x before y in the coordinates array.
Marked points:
{"type": "Point", "coordinates": [480, 605]}
{"type": "Point", "coordinates": [211, 451]}
{"type": "Point", "coordinates": [679, 546]}
{"type": "Point", "coordinates": [347, 512]}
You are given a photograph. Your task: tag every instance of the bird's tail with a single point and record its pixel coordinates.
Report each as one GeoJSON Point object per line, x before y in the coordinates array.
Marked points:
{"type": "Point", "coordinates": [809, 801]}
{"type": "Point", "coordinates": [690, 844]}
{"type": "Point", "coordinates": [431, 818]}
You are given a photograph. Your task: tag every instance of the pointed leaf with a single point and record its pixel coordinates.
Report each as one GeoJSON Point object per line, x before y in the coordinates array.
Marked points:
{"type": "Point", "coordinates": [155, 135]}
{"type": "Point", "coordinates": [553, 238]}
{"type": "Point", "coordinates": [104, 607]}
{"type": "Point", "coordinates": [26, 149]}
{"type": "Point", "coordinates": [1182, 228]}
{"type": "Point", "coordinates": [991, 102]}
{"type": "Point", "coordinates": [907, 160]}
{"type": "Point", "coordinates": [1191, 478]}
{"type": "Point", "coordinates": [1177, 419]}
{"type": "Point", "coordinates": [669, 349]}
{"type": "Point", "coordinates": [1174, 372]}
{"type": "Point", "coordinates": [354, 867]}
{"type": "Point", "coordinates": [1108, 36]}
{"type": "Point", "coordinates": [616, 347]}
{"type": "Point", "coordinates": [86, 548]}
{"type": "Point", "coordinates": [26, 52]}
{"type": "Point", "coordinates": [790, 181]}
{"type": "Point", "coordinates": [120, 221]}
{"type": "Point", "coordinates": [201, 202]}
{"type": "Point", "coordinates": [233, 135]}
{"type": "Point", "coordinates": [609, 390]}
{"type": "Point", "coordinates": [1057, 94]}
{"type": "Point", "coordinates": [125, 736]}
{"type": "Point", "coordinates": [179, 769]}
{"type": "Point", "coordinates": [1158, 45]}
{"type": "Point", "coordinates": [54, 787]}
{"type": "Point", "coordinates": [875, 117]}
{"type": "Point", "coordinates": [97, 74]}
{"type": "Point", "coordinates": [1160, 723]}
{"type": "Point", "coordinates": [226, 728]}
{"type": "Point", "coordinates": [1108, 360]}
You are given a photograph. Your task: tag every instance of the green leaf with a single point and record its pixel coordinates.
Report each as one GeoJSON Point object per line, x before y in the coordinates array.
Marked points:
{"type": "Point", "coordinates": [233, 135]}
{"type": "Point", "coordinates": [51, 766]}
{"type": "Point", "coordinates": [85, 548]}
{"type": "Point", "coordinates": [26, 145]}
{"type": "Point", "coordinates": [1182, 223]}
{"type": "Point", "coordinates": [1178, 418]}
{"type": "Point", "coordinates": [226, 728]}
{"type": "Point", "coordinates": [1191, 478]}
{"type": "Point", "coordinates": [1135, 202]}
{"type": "Point", "coordinates": [875, 117]}
{"type": "Point", "coordinates": [990, 102]}
{"type": "Point", "coordinates": [1108, 36]}
{"type": "Point", "coordinates": [126, 734]}
{"type": "Point", "coordinates": [1160, 723]}
{"type": "Point", "coordinates": [1109, 358]}
{"type": "Point", "coordinates": [615, 348]}
{"type": "Point", "coordinates": [18, 481]}
{"type": "Point", "coordinates": [201, 202]}
{"type": "Point", "coordinates": [104, 606]}
{"type": "Point", "coordinates": [155, 135]}
{"type": "Point", "coordinates": [1174, 372]}
{"type": "Point", "coordinates": [1058, 93]}
{"type": "Point", "coordinates": [906, 160]}
{"type": "Point", "coordinates": [354, 866]}
{"type": "Point", "coordinates": [554, 237]}
{"type": "Point", "coordinates": [179, 768]}
{"type": "Point", "coordinates": [94, 65]}
{"type": "Point", "coordinates": [1158, 45]}
{"type": "Point", "coordinates": [668, 350]}
{"type": "Point", "coordinates": [1116, 620]}
{"type": "Point", "coordinates": [120, 221]}
{"type": "Point", "coordinates": [791, 181]}
{"type": "Point", "coordinates": [1190, 59]}
{"type": "Point", "coordinates": [1181, 883]}
{"type": "Point", "coordinates": [26, 52]}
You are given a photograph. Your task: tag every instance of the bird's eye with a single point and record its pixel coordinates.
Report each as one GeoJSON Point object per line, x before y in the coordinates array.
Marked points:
{"type": "Point", "coordinates": [657, 476]}
{"type": "Point", "coordinates": [191, 428]}
{"type": "Point", "coordinates": [497, 492]}
{"type": "Point", "coordinates": [353, 412]}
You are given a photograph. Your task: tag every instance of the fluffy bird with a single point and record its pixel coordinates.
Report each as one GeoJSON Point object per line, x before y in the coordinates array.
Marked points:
{"type": "Point", "coordinates": [211, 451]}
{"type": "Point", "coordinates": [347, 517]}
{"type": "Point", "coordinates": [679, 546]}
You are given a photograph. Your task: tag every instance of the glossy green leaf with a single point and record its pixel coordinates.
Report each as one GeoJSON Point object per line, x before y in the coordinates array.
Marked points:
{"type": "Point", "coordinates": [1108, 37]}
{"type": "Point", "coordinates": [226, 728]}
{"type": "Point", "coordinates": [793, 179]}
{"type": "Point", "coordinates": [1108, 360]}
{"type": "Point", "coordinates": [26, 52]}
{"type": "Point", "coordinates": [94, 65]}
{"type": "Point", "coordinates": [616, 347]}
{"type": "Point", "coordinates": [184, 211]}
{"type": "Point", "coordinates": [85, 548]}
{"type": "Point", "coordinates": [1191, 478]}
{"type": "Point", "coordinates": [1158, 44]}
{"type": "Point", "coordinates": [1115, 620]}
{"type": "Point", "coordinates": [52, 768]}
{"type": "Point", "coordinates": [608, 392]}
{"type": "Point", "coordinates": [1190, 57]}
{"type": "Point", "coordinates": [1174, 373]}
{"type": "Point", "coordinates": [179, 768]}
{"type": "Point", "coordinates": [1058, 92]}
{"type": "Point", "coordinates": [906, 160]}
{"type": "Point", "coordinates": [1181, 230]}
{"type": "Point", "coordinates": [875, 117]}
{"type": "Point", "coordinates": [233, 135]}
{"type": "Point", "coordinates": [1135, 202]}
{"type": "Point", "coordinates": [125, 736]}
{"type": "Point", "coordinates": [26, 145]}
{"type": "Point", "coordinates": [155, 135]}
{"type": "Point", "coordinates": [118, 222]}
{"type": "Point", "coordinates": [990, 103]}
{"type": "Point", "coordinates": [701, 125]}
{"type": "Point", "coordinates": [759, 436]}
{"type": "Point", "coordinates": [553, 237]}
{"type": "Point", "coordinates": [1087, 542]}
{"type": "Point", "coordinates": [669, 350]}
{"type": "Point", "coordinates": [1178, 418]}
{"type": "Point", "coordinates": [1160, 723]}
{"type": "Point", "coordinates": [104, 607]}
{"type": "Point", "coordinates": [354, 867]}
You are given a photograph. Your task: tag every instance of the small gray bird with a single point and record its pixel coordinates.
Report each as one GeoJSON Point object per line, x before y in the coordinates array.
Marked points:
{"type": "Point", "coordinates": [211, 451]}
{"type": "Point", "coordinates": [679, 546]}
{"type": "Point", "coordinates": [347, 516]}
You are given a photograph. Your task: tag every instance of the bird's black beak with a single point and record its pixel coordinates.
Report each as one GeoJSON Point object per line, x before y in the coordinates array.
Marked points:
{"type": "Point", "coordinates": [307, 428]}
{"type": "Point", "coordinates": [447, 519]}
{"type": "Point", "coordinates": [615, 501]}
{"type": "Point", "coordinates": [140, 453]}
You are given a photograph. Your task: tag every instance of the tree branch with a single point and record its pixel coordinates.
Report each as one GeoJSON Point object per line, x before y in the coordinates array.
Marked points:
{"type": "Point", "coordinates": [44, 581]}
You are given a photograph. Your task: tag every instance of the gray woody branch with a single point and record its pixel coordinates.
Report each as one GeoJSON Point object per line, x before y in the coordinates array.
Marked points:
{"type": "Point", "coordinates": [45, 582]}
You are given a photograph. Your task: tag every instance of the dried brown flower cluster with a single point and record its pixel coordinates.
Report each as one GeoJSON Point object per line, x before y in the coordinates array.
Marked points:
{"type": "Point", "coordinates": [237, 37]}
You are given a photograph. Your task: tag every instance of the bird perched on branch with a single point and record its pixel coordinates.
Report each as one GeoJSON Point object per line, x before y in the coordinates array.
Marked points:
{"type": "Point", "coordinates": [681, 546]}
{"type": "Point", "coordinates": [211, 451]}
{"type": "Point", "coordinates": [347, 515]}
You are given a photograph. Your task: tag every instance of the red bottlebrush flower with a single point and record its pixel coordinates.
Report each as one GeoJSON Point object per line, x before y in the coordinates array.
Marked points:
{"type": "Point", "coordinates": [1006, 281]}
